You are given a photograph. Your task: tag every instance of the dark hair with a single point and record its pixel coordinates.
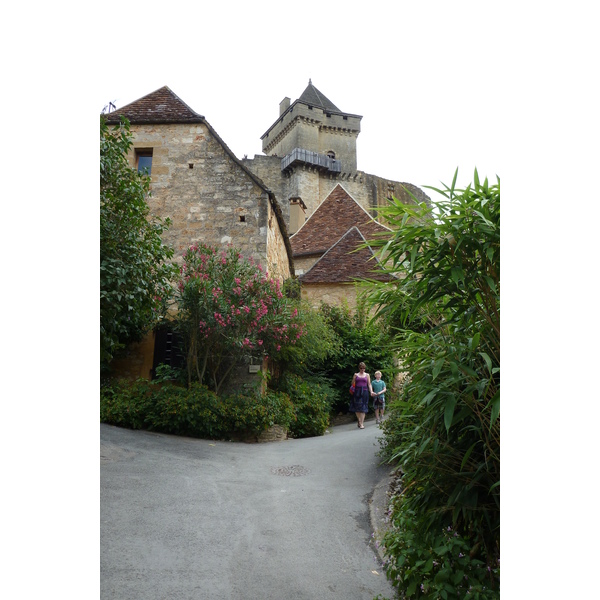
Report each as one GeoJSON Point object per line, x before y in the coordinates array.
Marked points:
{"type": "Point", "coordinates": [362, 364]}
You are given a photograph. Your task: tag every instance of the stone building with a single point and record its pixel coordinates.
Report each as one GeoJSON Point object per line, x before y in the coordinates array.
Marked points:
{"type": "Point", "coordinates": [208, 194]}
{"type": "Point", "coordinates": [301, 209]}
{"type": "Point", "coordinates": [310, 163]}
{"type": "Point", "coordinates": [309, 150]}
{"type": "Point", "coordinates": [329, 250]}
{"type": "Point", "coordinates": [197, 181]}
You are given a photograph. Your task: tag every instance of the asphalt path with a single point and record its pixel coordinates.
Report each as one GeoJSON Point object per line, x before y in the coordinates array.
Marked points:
{"type": "Point", "coordinates": [189, 519]}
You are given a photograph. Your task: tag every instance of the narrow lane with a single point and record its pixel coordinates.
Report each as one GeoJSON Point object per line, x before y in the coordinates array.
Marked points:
{"type": "Point", "coordinates": [208, 520]}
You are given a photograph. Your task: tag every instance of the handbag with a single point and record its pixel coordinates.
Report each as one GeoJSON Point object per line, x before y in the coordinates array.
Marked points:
{"type": "Point", "coordinates": [352, 389]}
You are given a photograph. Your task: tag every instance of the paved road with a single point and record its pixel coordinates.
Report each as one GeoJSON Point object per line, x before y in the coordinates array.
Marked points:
{"type": "Point", "coordinates": [188, 519]}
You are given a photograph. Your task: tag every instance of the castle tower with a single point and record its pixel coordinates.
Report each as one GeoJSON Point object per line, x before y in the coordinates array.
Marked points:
{"type": "Point", "coordinates": [314, 125]}
{"type": "Point", "coordinates": [310, 146]}
{"type": "Point", "coordinates": [308, 150]}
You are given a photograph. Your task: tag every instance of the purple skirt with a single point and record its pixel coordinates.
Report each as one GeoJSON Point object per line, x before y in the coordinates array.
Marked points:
{"type": "Point", "coordinates": [360, 400]}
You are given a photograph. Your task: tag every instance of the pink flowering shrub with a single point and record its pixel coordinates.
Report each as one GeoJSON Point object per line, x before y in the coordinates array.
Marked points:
{"type": "Point", "coordinates": [229, 311]}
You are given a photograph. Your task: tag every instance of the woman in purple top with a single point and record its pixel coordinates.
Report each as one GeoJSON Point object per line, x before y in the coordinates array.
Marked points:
{"type": "Point", "coordinates": [362, 392]}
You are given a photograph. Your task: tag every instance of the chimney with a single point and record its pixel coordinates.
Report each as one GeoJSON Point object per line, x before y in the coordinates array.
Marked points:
{"type": "Point", "coordinates": [284, 105]}
{"type": "Point", "coordinates": [297, 214]}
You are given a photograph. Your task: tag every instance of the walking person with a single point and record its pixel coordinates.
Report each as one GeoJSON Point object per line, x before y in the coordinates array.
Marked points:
{"type": "Point", "coordinates": [362, 392]}
{"type": "Point", "coordinates": [378, 394]}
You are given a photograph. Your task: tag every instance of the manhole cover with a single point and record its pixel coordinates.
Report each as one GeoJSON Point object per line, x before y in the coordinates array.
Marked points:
{"type": "Point", "coordinates": [294, 471]}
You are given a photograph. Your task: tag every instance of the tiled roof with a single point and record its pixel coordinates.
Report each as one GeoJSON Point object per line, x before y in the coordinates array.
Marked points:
{"type": "Point", "coordinates": [311, 95]}
{"type": "Point", "coordinates": [161, 106]}
{"type": "Point", "coordinates": [332, 219]}
{"type": "Point", "coordinates": [342, 263]}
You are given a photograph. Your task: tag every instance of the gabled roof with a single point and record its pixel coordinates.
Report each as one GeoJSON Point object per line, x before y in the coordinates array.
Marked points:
{"type": "Point", "coordinates": [161, 106]}
{"type": "Point", "coordinates": [311, 95]}
{"type": "Point", "coordinates": [332, 219]}
{"type": "Point", "coordinates": [343, 263]}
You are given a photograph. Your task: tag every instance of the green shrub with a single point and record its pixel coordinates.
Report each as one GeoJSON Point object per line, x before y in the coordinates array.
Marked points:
{"type": "Point", "coordinates": [181, 411]}
{"type": "Point", "coordinates": [436, 564]}
{"type": "Point", "coordinates": [126, 404]}
{"type": "Point", "coordinates": [168, 374]}
{"type": "Point", "coordinates": [359, 340]}
{"type": "Point", "coordinates": [280, 408]}
{"type": "Point", "coordinates": [251, 412]}
{"type": "Point", "coordinates": [195, 412]}
{"type": "Point", "coordinates": [312, 405]}
{"type": "Point", "coordinates": [445, 429]}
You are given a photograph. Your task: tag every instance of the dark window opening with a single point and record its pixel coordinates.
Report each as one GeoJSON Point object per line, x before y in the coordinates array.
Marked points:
{"type": "Point", "coordinates": [345, 118]}
{"type": "Point", "coordinates": [144, 161]}
{"type": "Point", "coordinates": [242, 218]}
{"type": "Point", "coordinates": [168, 349]}
{"type": "Point", "coordinates": [191, 165]}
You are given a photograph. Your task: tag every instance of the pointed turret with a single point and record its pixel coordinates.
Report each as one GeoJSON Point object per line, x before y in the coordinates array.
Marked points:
{"type": "Point", "coordinates": [314, 132]}
{"type": "Point", "coordinates": [311, 95]}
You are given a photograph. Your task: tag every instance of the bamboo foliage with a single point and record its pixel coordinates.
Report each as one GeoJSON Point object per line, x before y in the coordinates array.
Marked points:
{"type": "Point", "coordinates": [444, 308]}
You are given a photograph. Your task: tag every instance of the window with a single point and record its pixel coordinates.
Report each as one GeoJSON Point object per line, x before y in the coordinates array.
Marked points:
{"type": "Point", "coordinates": [144, 161]}
{"type": "Point", "coordinates": [331, 154]}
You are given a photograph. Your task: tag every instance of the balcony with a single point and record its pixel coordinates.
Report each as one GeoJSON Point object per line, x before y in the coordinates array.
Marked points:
{"type": "Point", "coordinates": [298, 156]}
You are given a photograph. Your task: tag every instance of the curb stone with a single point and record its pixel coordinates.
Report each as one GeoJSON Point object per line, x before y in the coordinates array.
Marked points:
{"type": "Point", "coordinates": [378, 509]}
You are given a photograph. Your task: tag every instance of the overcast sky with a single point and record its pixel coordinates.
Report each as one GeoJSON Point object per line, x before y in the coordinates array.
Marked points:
{"type": "Point", "coordinates": [440, 85]}
{"type": "Point", "coordinates": [426, 81]}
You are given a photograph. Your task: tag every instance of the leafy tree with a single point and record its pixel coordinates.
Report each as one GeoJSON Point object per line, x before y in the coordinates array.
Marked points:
{"type": "Point", "coordinates": [445, 430]}
{"type": "Point", "coordinates": [318, 343]}
{"type": "Point", "coordinates": [359, 340]}
{"type": "Point", "coordinates": [230, 310]}
{"type": "Point", "coordinates": [134, 274]}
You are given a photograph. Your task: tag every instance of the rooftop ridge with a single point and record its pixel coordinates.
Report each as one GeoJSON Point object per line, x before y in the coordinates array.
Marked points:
{"type": "Point", "coordinates": [337, 213]}
{"type": "Point", "coordinates": [160, 106]}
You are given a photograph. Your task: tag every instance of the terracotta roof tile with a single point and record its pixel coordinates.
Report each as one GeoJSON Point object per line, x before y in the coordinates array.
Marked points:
{"type": "Point", "coordinates": [332, 219]}
{"type": "Point", "coordinates": [161, 106]}
{"type": "Point", "coordinates": [343, 263]}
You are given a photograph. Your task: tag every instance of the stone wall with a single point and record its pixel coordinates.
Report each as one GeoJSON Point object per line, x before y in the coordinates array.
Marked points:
{"type": "Point", "coordinates": [313, 187]}
{"type": "Point", "coordinates": [136, 360]}
{"type": "Point", "coordinates": [278, 265]}
{"type": "Point", "coordinates": [304, 263]}
{"type": "Point", "coordinates": [207, 196]}
{"type": "Point", "coordinates": [314, 129]}
{"type": "Point", "coordinates": [334, 294]}
{"type": "Point", "coordinates": [268, 170]}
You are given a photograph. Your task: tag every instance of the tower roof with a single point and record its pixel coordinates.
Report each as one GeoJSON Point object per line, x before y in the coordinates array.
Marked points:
{"type": "Point", "coordinates": [311, 95]}
{"type": "Point", "coordinates": [160, 106]}
{"type": "Point", "coordinates": [330, 221]}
